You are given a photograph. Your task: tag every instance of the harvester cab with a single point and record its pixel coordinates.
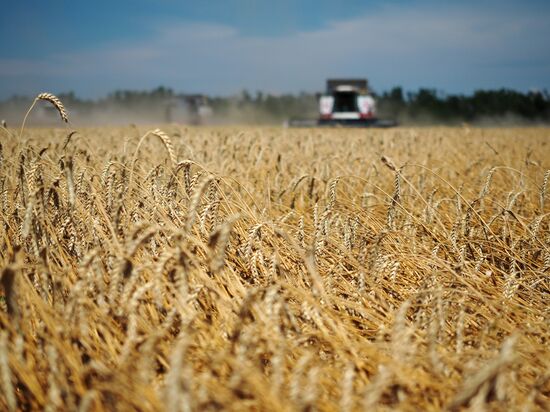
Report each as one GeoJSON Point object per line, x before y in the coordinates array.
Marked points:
{"type": "Point", "coordinates": [347, 101]}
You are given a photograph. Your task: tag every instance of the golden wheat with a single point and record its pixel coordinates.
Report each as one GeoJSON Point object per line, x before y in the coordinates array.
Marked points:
{"type": "Point", "coordinates": [280, 270]}
{"type": "Point", "coordinates": [56, 103]}
{"type": "Point", "coordinates": [49, 98]}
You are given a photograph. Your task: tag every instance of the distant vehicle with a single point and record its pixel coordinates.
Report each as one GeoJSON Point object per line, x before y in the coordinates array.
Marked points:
{"type": "Point", "coordinates": [346, 102]}
{"type": "Point", "coordinates": [193, 109]}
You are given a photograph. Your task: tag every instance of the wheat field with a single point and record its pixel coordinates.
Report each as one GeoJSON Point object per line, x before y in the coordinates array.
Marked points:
{"type": "Point", "coordinates": [271, 269]}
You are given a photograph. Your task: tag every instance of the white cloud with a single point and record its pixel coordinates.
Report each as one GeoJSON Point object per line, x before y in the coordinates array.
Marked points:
{"type": "Point", "coordinates": [454, 49]}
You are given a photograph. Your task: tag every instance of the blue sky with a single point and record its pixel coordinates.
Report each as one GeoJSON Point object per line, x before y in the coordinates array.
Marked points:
{"type": "Point", "coordinates": [222, 47]}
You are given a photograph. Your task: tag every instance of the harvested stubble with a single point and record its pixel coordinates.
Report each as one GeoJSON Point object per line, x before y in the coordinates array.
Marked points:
{"type": "Point", "coordinates": [275, 269]}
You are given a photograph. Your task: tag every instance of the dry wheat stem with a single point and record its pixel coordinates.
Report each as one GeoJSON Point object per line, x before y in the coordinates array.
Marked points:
{"type": "Point", "coordinates": [54, 101]}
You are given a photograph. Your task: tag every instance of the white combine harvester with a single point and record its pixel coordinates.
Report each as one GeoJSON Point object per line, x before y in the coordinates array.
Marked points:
{"type": "Point", "coordinates": [346, 102]}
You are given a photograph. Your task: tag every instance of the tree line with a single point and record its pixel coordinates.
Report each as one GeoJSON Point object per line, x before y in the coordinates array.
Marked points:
{"type": "Point", "coordinates": [424, 106]}
{"type": "Point", "coordinates": [483, 105]}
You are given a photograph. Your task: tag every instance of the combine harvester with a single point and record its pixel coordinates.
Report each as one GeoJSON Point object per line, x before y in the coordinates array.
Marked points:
{"type": "Point", "coordinates": [348, 103]}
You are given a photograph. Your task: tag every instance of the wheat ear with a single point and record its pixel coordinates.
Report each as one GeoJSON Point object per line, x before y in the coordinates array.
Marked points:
{"type": "Point", "coordinates": [165, 141]}
{"type": "Point", "coordinates": [57, 104]}
{"type": "Point", "coordinates": [53, 100]}
{"type": "Point", "coordinates": [167, 144]}
{"type": "Point", "coordinates": [543, 189]}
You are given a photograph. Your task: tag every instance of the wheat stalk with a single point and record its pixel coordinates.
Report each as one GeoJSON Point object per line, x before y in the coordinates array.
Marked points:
{"type": "Point", "coordinates": [543, 189]}
{"type": "Point", "coordinates": [54, 101]}
{"type": "Point", "coordinates": [486, 375]}
{"type": "Point", "coordinates": [167, 143]}
{"type": "Point", "coordinates": [5, 373]}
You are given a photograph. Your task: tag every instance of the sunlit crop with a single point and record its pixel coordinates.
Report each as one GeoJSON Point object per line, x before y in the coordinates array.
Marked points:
{"type": "Point", "coordinates": [252, 268]}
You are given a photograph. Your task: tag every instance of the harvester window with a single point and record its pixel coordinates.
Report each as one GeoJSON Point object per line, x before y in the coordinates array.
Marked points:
{"type": "Point", "coordinates": [345, 102]}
